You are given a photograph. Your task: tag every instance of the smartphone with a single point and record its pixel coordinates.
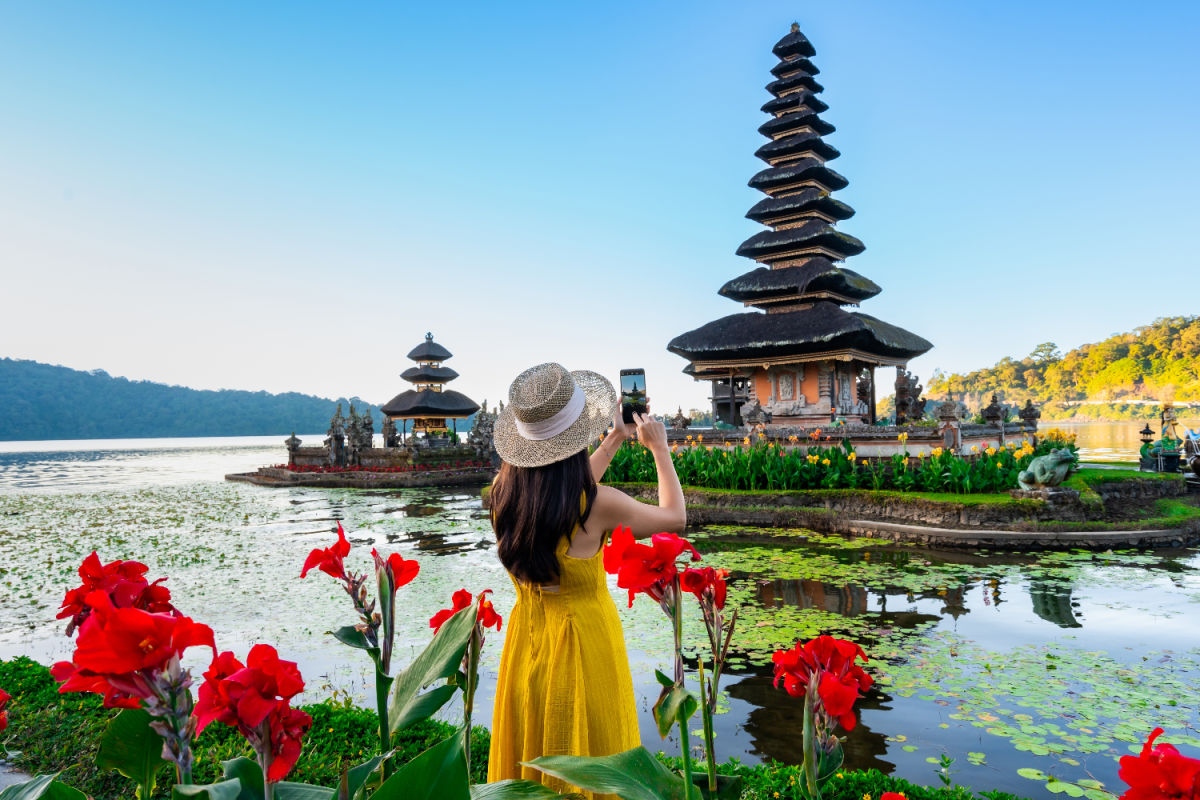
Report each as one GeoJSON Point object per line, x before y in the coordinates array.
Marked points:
{"type": "Point", "coordinates": [633, 393]}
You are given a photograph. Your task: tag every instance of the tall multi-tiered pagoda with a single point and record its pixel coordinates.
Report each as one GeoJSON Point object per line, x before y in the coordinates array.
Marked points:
{"type": "Point", "coordinates": [806, 359]}
{"type": "Point", "coordinates": [429, 404]}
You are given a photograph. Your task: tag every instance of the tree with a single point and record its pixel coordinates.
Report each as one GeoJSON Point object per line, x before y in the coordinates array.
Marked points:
{"type": "Point", "coordinates": [1045, 353]}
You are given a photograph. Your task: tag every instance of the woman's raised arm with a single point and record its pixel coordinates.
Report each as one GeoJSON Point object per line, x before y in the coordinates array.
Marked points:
{"type": "Point", "coordinates": [613, 507]}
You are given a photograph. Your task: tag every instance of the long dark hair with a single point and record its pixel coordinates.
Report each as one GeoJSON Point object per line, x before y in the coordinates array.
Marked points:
{"type": "Point", "coordinates": [533, 508]}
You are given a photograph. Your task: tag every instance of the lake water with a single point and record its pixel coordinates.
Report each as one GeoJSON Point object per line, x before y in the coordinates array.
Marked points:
{"type": "Point", "coordinates": [1056, 662]}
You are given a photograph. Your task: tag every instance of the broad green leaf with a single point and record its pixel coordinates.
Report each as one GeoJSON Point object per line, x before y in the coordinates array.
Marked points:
{"type": "Point", "coordinates": [356, 777]}
{"type": "Point", "coordinates": [286, 790]}
{"type": "Point", "coordinates": [42, 787]}
{"type": "Point", "coordinates": [439, 773]}
{"type": "Point", "coordinates": [352, 636]}
{"type": "Point", "coordinates": [425, 705]}
{"type": "Point", "coordinates": [439, 660]}
{"type": "Point", "coordinates": [662, 678]}
{"type": "Point", "coordinates": [224, 790]}
{"type": "Point", "coordinates": [675, 704]}
{"type": "Point", "coordinates": [1032, 774]}
{"type": "Point", "coordinates": [131, 747]}
{"type": "Point", "coordinates": [829, 763]}
{"type": "Point", "coordinates": [513, 790]}
{"type": "Point", "coordinates": [633, 775]}
{"type": "Point", "coordinates": [248, 774]}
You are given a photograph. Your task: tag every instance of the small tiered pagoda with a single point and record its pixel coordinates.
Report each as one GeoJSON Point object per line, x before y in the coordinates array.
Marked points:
{"type": "Point", "coordinates": [428, 404]}
{"type": "Point", "coordinates": [806, 359]}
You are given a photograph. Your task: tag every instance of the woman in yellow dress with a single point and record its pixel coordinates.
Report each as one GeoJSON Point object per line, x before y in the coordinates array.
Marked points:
{"type": "Point", "coordinates": [564, 686]}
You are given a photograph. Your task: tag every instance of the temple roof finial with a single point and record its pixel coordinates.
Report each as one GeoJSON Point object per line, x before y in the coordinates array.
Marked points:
{"type": "Point", "coordinates": [795, 27]}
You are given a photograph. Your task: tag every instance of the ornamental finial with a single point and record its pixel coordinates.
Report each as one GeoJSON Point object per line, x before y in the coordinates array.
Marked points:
{"type": "Point", "coordinates": [795, 27]}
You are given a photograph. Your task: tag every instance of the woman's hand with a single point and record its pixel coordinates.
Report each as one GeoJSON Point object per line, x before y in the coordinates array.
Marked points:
{"type": "Point", "coordinates": [621, 429]}
{"type": "Point", "coordinates": [651, 432]}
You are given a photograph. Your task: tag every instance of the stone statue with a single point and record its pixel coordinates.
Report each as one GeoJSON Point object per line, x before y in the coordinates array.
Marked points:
{"type": "Point", "coordinates": [910, 407]}
{"type": "Point", "coordinates": [845, 403]}
{"type": "Point", "coordinates": [1048, 470]}
{"type": "Point", "coordinates": [1030, 415]}
{"type": "Point", "coordinates": [337, 439]}
{"type": "Point", "coordinates": [480, 437]}
{"type": "Point", "coordinates": [753, 413]}
{"type": "Point", "coordinates": [680, 422]}
{"type": "Point", "coordinates": [391, 438]}
{"type": "Point", "coordinates": [994, 412]}
{"type": "Point", "coordinates": [366, 426]}
{"type": "Point", "coordinates": [292, 444]}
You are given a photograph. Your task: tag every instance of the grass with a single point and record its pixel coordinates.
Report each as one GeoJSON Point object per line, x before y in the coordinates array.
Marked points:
{"type": "Point", "coordinates": [51, 732]}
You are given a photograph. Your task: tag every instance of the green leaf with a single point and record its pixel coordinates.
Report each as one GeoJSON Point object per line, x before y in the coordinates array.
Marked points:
{"type": "Point", "coordinates": [356, 777]}
{"type": "Point", "coordinates": [249, 776]}
{"type": "Point", "coordinates": [439, 773]}
{"type": "Point", "coordinates": [131, 747]}
{"type": "Point", "coordinates": [512, 790]}
{"type": "Point", "coordinates": [1032, 774]}
{"type": "Point", "coordinates": [675, 704]}
{"type": "Point", "coordinates": [224, 790]}
{"type": "Point", "coordinates": [663, 679]}
{"type": "Point", "coordinates": [425, 705]}
{"type": "Point", "coordinates": [633, 775]}
{"type": "Point", "coordinates": [439, 660]}
{"type": "Point", "coordinates": [352, 636]}
{"type": "Point", "coordinates": [829, 763]}
{"type": "Point", "coordinates": [286, 790]}
{"type": "Point", "coordinates": [42, 787]}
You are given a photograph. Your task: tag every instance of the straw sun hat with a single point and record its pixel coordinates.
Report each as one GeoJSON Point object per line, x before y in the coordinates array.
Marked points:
{"type": "Point", "coordinates": [552, 414]}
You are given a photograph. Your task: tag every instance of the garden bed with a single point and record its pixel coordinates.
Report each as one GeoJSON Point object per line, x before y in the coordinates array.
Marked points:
{"type": "Point", "coordinates": [1106, 508]}
{"type": "Point", "coordinates": [51, 732]}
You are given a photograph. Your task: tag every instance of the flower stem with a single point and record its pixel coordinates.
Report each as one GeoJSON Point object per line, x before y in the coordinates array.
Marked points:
{"type": "Point", "coordinates": [709, 750]}
{"type": "Point", "coordinates": [473, 651]}
{"type": "Point", "coordinates": [382, 684]}
{"type": "Point", "coordinates": [810, 744]}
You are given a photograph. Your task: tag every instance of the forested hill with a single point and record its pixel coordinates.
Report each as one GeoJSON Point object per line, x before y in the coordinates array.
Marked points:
{"type": "Point", "coordinates": [40, 401]}
{"type": "Point", "coordinates": [1160, 361]}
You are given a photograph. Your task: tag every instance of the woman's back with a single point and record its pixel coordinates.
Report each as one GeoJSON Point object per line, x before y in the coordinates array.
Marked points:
{"type": "Point", "coordinates": [564, 685]}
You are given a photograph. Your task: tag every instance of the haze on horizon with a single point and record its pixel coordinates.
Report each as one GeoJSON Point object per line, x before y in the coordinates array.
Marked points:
{"type": "Point", "coordinates": [287, 197]}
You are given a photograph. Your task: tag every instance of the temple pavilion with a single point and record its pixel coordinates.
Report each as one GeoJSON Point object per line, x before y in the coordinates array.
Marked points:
{"type": "Point", "coordinates": [799, 356]}
{"type": "Point", "coordinates": [429, 404]}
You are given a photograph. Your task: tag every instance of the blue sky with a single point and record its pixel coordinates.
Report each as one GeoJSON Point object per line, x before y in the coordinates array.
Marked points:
{"type": "Point", "coordinates": [286, 196]}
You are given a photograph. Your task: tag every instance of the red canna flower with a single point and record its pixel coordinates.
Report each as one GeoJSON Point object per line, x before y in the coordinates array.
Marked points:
{"type": "Point", "coordinates": [1160, 772]}
{"type": "Point", "coordinates": [645, 568]}
{"type": "Point", "coordinates": [892, 796]}
{"type": "Point", "coordinates": [706, 579]}
{"type": "Point", "coordinates": [831, 663]}
{"type": "Point", "coordinates": [122, 581]}
{"type": "Point", "coordinates": [255, 698]}
{"type": "Point", "coordinates": [487, 616]}
{"type": "Point", "coordinates": [401, 570]}
{"type": "Point", "coordinates": [288, 726]}
{"type": "Point", "coordinates": [329, 560]}
{"type": "Point", "coordinates": [4, 698]}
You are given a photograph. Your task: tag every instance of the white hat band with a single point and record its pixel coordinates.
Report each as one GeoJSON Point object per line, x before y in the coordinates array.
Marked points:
{"type": "Point", "coordinates": [553, 426]}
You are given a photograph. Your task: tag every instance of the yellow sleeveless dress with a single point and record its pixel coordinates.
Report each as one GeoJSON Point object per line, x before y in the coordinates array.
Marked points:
{"type": "Point", "coordinates": [564, 686]}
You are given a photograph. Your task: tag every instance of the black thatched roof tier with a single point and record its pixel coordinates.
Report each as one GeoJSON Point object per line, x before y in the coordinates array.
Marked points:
{"type": "Point", "coordinates": [794, 44]}
{"type": "Point", "coordinates": [428, 403]}
{"type": "Point", "coordinates": [779, 126]}
{"type": "Point", "coordinates": [809, 202]}
{"type": "Point", "coordinates": [795, 101]}
{"type": "Point", "coordinates": [815, 275]}
{"type": "Point", "coordinates": [795, 145]}
{"type": "Point", "coordinates": [428, 350]}
{"type": "Point", "coordinates": [793, 82]}
{"type": "Point", "coordinates": [823, 327]}
{"type": "Point", "coordinates": [795, 65]}
{"type": "Point", "coordinates": [806, 169]}
{"type": "Point", "coordinates": [815, 237]}
{"type": "Point", "coordinates": [429, 374]}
